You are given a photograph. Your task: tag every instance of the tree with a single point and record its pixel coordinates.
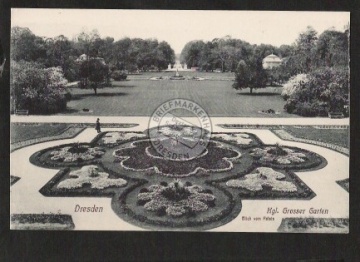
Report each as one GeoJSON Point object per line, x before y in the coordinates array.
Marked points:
{"type": "Point", "coordinates": [332, 49]}
{"type": "Point", "coordinates": [222, 51]}
{"type": "Point", "coordinates": [305, 49]}
{"type": "Point", "coordinates": [191, 53]}
{"type": "Point", "coordinates": [26, 46]}
{"type": "Point", "coordinates": [95, 71]}
{"type": "Point", "coordinates": [242, 76]}
{"type": "Point", "coordinates": [285, 50]}
{"type": "Point", "coordinates": [59, 52]}
{"type": "Point", "coordinates": [87, 43]}
{"type": "Point", "coordinates": [250, 75]}
{"type": "Point", "coordinates": [164, 55]}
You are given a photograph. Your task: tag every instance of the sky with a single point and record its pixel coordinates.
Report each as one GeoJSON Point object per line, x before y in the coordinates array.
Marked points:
{"type": "Point", "coordinates": [177, 27]}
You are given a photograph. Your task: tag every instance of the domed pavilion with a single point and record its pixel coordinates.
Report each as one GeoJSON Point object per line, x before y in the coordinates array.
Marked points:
{"type": "Point", "coordinates": [271, 61]}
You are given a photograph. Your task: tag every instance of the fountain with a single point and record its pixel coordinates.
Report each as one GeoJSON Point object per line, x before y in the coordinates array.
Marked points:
{"type": "Point", "coordinates": [177, 76]}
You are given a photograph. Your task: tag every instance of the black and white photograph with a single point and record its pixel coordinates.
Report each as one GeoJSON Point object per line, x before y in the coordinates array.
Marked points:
{"type": "Point", "coordinates": [179, 120]}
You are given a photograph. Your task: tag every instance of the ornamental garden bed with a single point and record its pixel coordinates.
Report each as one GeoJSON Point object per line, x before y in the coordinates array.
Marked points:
{"type": "Point", "coordinates": [42, 222]}
{"type": "Point", "coordinates": [267, 183]}
{"type": "Point", "coordinates": [13, 180]}
{"type": "Point", "coordinates": [344, 184]}
{"type": "Point", "coordinates": [154, 192]}
{"type": "Point", "coordinates": [314, 225]}
{"type": "Point", "coordinates": [68, 155]}
{"type": "Point", "coordinates": [103, 183]}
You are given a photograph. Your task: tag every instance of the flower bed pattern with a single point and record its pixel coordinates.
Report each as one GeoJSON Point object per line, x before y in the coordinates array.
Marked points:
{"type": "Point", "coordinates": [119, 164]}
{"type": "Point", "coordinates": [136, 158]}
{"type": "Point", "coordinates": [240, 139]}
{"type": "Point", "coordinates": [76, 152]}
{"type": "Point", "coordinates": [278, 155]}
{"type": "Point", "coordinates": [41, 222]}
{"type": "Point", "coordinates": [286, 157]}
{"type": "Point", "coordinates": [314, 225]}
{"type": "Point", "coordinates": [264, 176]}
{"type": "Point", "coordinates": [176, 199]}
{"type": "Point", "coordinates": [114, 138]}
{"type": "Point", "coordinates": [90, 175]}
{"type": "Point", "coordinates": [14, 179]}
{"type": "Point", "coordinates": [344, 184]}
{"type": "Point", "coordinates": [68, 155]}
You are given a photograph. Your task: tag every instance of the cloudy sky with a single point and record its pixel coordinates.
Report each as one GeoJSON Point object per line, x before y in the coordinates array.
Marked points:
{"type": "Point", "coordinates": [178, 27]}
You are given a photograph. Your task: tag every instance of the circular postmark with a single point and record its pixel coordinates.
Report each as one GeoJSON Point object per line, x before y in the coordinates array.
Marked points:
{"type": "Point", "coordinates": [178, 138]}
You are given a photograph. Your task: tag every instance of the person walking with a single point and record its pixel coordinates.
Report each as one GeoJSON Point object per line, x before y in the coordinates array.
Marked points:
{"type": "Point", "coordinates": [98, 129]}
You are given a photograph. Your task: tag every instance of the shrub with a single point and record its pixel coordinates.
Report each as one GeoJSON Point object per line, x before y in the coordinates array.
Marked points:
{"type": "Point", "coordinates": [68, 96]}
{"type": "Point", "coordinates": [119, 75]}
{"type": "Point", "coordinates": [325, 90]}
{"type": "Point", "coordinates": [293, 84]}
{"type": "Point", "coordinates": [39, 90]}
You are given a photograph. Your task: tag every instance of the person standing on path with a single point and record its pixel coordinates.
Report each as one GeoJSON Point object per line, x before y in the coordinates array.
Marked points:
{"type": "Point", "coordinates": [98, 129]}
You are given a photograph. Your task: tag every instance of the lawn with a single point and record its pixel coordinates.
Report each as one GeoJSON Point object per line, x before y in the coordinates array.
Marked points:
{"type": "Point", "coordinates": [186, 74]}
{"type": "Point", "coordinates": [142, 97]}
{"type": "Point", "coordinates": [338, 137]}
{"type": "Point", "coordinates": [22, 132]}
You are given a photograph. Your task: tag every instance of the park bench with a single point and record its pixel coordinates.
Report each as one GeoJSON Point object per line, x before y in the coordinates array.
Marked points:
{"type": "Point", "coordinates": [21, 112]}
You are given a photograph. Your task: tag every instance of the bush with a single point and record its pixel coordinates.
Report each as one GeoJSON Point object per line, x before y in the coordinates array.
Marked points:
{"type": "Point", "coordinates": [293, 84]}
{"type": "Point", "coordinates": [305, 109]}
{"type": "Point", "coordinates": [68, 96]}
{"type": "Point", "coordinates": [325, 90]}
{"type": "Point", "coordinates": [119, 75]}
{"type": "Point", "coordinates": [39, 90]}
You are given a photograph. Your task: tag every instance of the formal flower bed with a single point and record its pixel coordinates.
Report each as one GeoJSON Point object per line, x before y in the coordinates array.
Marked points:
{"type": "Point", "coordinates": [114, 138]}
{"type": "Point", "coordinates": [263, 176]}
{"type": "Point", "coordinates": [240, 139]}
{"type": "Point", "coordinates": [176, 199]}
{"type": "Point", "coordinates": [41, 222]}
{"type": "Point", "coordinates": [90, 175]}
{"type": "Point", "coordinates": [179, 131]}
{"type": "Point", "coordinates": [344, 184]}
{"type": "Point", "coordinates": [75, 153]}
{"type": "Point", "coordinates": [13, 180]}
{"type": "Point", "coordinates": [176, 131]}
{"type": "Point", "coordinates": [136, 158]}
{"type": "Point", "coordinates": [314, 225]}
{"type": "Point", "coordinates": [278, 154]}
{"type": "Point", "coordinates": [232, 167]}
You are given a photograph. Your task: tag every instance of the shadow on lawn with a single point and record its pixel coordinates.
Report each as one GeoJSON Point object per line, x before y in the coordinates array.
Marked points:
{"type": "Point", "coordinates": [81, 96]}
{"type": "Point", "coordinates": [69, 110]}
{"type": "Point", "coordinates": [124, 86]}
{"type": "Point", "coordinates": [259, 94]}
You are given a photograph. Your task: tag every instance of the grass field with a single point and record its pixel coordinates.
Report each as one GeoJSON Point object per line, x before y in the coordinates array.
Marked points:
{"type": "Point", "coordinates": [23, 132]}
{"type": "Point", "coordinates": [142, 97]}
{"type": "Point", "coordinates": [338, 137]}
{"type": "Point", "coordinates": [186, 74]}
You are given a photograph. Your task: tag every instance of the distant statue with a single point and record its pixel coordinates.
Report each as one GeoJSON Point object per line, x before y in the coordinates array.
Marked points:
{"type": "Point", "coordinates": [169, 66]}
{"type": "Point", "coordinates": [185, 67]}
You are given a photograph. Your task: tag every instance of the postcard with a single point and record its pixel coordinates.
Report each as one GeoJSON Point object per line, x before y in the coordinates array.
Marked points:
{"type": "Point", "coordinates": [179, 120]}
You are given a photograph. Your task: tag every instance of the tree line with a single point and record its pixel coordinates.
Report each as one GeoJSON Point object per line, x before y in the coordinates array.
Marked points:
{"type": "Point", "coordinates": [124, 54]}
{"type": "Point", "coordinates": [42, 66]}
{"type": "Point", "coordinates": [315, 68]}
{"type": "Point", "coordinates": [308, 52]}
